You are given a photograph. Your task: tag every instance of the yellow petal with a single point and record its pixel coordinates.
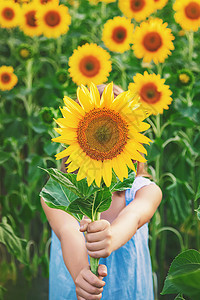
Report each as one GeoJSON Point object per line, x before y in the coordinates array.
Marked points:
{"type": "Point", "coordinates": [127, 160]}
{"type": "Point", "coordinates": [67, 122]}
{"type": "Point", "coordinates": [134, 153]}
{"type": "Point", "coordinates": [94, 92]}
{"type": "Point", "coordinates": [107, 172]}
{"type": "Point", "coordinates": [98, 166]}
{"type": "Point", "coordinates": [117, 168]}
{"type": "Point", "coordinates": [107, 96]}
{"type": "Point", "coordinates": [68, 115]}
{"type": "Point", "coordinates": [84, 99]}
{"type": "Point", "coordinates": [67, 151]}
{"type": "Point", "coordinates": [74, 107]}
{"type": "Point", "coordinates": [72, 167]}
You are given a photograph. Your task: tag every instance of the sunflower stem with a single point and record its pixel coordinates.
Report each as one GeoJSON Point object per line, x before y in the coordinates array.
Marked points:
{"type": "Point", "coordinates": [94, 262]}
{"type": "Point", "coordinates": [190, 37]}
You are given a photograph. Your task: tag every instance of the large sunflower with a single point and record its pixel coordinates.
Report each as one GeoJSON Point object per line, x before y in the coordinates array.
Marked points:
{"type": "Point", "coordinates": [7, 78]}
{"type": "Point", "coordinates": [10, 14]}
{"type": "Point", "coordinates": [29, 23]}
{"type": "Point", "coordinates": [158, 4]}
{"type": "Point", "coordinates": [101, 134]}
{"type": "Point", "coordinates": [118, 34]}
{"type": "Point", "coordinates": [136, 9]}
{"type": "Point", "coordinates": [153, 41]}
{"type": "Point", "coordinates": [54, 19]}
{"type": "Point", "coordinates": [154, 94]}
{"type": "Point", "coordinates": [187, 14]}
{"type": "Point", "coordinates": [89, 63]}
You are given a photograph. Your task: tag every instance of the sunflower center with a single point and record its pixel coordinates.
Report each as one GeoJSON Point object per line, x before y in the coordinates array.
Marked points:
{"type": "Point", "coordinates": [30, 18]}
{"type": "Point", "coordinates": [119, 34]}
{"type": "Point", "coordinates": [8, 13]}
{"type": "Point", "coordinates": [102, 134]}
{"type": "Point", "coordinates": [5, 77]}
{"type": "Point", "coordinates": [52, 18]}
{"type": "Point", "coordinates": [137, 5]}
{"type": "Point", "coordinates": [192, 11]}
{"type": "Point", "coordinates": [184, 78]}
{"type": "Point", "coordinates": [152, 41]}
{"type": "Point", "coordinates": [149, 93]}
{"type": "Point", "coordinates": [24, 53]}
{"type": "Point", "coordinates": [89, 66]}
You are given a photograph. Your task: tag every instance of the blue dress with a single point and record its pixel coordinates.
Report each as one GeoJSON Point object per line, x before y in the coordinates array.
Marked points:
{"type": "Point", "coordinates": [129, 267]}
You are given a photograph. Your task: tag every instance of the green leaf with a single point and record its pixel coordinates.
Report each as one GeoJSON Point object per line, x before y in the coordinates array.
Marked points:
{"type": "Point", "coordinates": [198, 212]}
{"type": "Point", "coordinates": [102, 200]}
{"type": "Point", "coordinates": [4, 156]}
{"type": "Point", "coordinates": [63, 179]}
{"type": "Point", "coordinates": [15, 245]}
{"type": "Point", "coordinates": [197, 196]}
{"type": "Point", "coordinates": [58, 196]}
{"type": "Point", "coordinates": [122, 186]}
{"type": "Point", "coordinates": [179, 297]}
{"type": "Point", "coordinates": [184, 275]}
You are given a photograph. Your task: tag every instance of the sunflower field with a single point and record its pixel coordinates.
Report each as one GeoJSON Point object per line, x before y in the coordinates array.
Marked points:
{"type": "Point", "coordinates": [47, 49]}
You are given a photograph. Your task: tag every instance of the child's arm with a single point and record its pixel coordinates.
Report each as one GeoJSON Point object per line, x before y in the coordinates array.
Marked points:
{"type": "Point", "coordinates": [88, 286]}
{"type": "Point", "coordinates": [103, 238]}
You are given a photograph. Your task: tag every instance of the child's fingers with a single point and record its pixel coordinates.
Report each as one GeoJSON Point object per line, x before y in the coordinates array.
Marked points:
{"type": "Point", "coordinates": [93, 280]}
{"type": "Point", "coordinates": [102, 271]}
{"type": "Point", "coordinates": [84, 224]}
{"type": "Point", "coordinates": [98, 226]}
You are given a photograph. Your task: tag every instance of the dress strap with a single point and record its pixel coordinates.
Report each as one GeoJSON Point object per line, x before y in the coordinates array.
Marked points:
{"type": "Point", "coordinates": [138, 183]}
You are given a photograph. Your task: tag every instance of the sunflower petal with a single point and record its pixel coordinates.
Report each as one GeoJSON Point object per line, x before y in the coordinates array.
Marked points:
{"type": "Point", "coordinates": [84, 98]}
{"type": "Point", "coordinates": [94, 92]}
{"type": "Point", "coordinates": [107, 96]}
{"type": "Point", "coordinates": [107, 172]}
{"type": "Point", "coordinates": [73, 107]}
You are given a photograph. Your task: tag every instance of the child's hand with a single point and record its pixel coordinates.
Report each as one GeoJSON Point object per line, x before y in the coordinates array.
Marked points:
{"type": "Point", "coordinates": [98, 237]}
{"type": "Point", "coordinates": [88, 285]}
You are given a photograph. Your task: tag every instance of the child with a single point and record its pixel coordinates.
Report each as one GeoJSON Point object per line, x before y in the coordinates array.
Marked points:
{"type": "Point", "coordinates": [120, 239]}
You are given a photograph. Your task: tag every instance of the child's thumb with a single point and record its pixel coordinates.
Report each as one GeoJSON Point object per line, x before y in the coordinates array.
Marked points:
{"type": "Point", "coordinates": [102, 271]}
{"type": "Point", "coordinates": [84, 224]}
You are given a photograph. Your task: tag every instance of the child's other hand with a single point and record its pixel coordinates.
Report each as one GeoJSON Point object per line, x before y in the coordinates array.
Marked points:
{"type": "Point", "coordinates": [98, 237]}
{"type": "Point", "coordinates": [88, 285]}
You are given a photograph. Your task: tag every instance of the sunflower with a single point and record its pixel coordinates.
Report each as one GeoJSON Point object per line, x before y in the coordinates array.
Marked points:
{"type": "Point", "coordinates": [89, 63]}
{"type": "Point", "coordinates": [136, 9]}
{"type": "Point", "coordinates": [154, 94]}
{"type": "Point", "coordinates": [187, 14]}
{"type": "Point", "coordinates": [10, 14]}
{"type": "Point", "coordinates": [118, 34]}
{"type": "Point", "coordinates": [153, 41]}
{"type": "Point", "coordinates": [29, 23]}
{"type": "Point", "coordinates": [54, 19]}
{"type": "Point", "coordinates": [7, 78]}
{"type": "Point", "coordinates": [24, 52]}
{"type": "Point", "coordinates": [101, 134]}
{"type": "Point", "coordinates": [185, 77]}
{"type": "Point", "coordinates": [158, 4]}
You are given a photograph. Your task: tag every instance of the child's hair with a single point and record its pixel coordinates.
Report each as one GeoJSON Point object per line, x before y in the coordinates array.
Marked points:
{"type": "Point", "coordinates": [141, 167]}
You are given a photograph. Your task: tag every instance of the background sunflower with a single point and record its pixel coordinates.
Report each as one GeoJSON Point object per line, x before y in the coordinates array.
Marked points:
{"type": "Point", "coordinates": [7, 78]}
{"type": "Point", "coordinates": [10, 14]}
{"type": "Point", "coordinates": [118, 34]}
{"type": "Point", "coordinates": [154, 94]}
{"type": "Point", "coordinates": [136, 9]}
{"type": "Point", "coordinates": [28, 22]}
{"type": "Point", "coordinates": [89, 63]}
{"type": "Point", "coordinates": [187, 14]}
{"type": "Point", "coordinates": [53, 19]}
{"type": "Point", "coordinates": [152, 40]}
